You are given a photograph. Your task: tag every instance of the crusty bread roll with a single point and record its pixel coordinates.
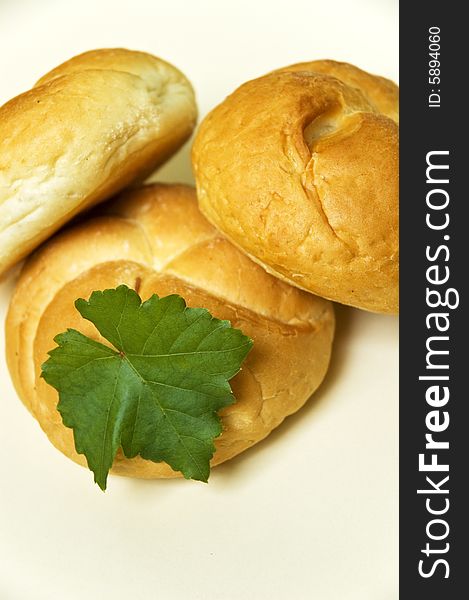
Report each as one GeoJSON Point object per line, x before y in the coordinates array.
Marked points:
{"type": "Point", "coordinates": [155, 239]}
{"type": "Point", "coordinates": [87, 129]}
{"type": "Point", "coordinates": [299, 168]}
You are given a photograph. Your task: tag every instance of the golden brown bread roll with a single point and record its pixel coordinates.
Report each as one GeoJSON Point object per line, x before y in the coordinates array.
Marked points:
{"type": "Point", "coordinates": [87, 129]}
{"type": "Point", "coordinates": [299, 168]}
{"type": "Point", "coordinates": [156, 239]}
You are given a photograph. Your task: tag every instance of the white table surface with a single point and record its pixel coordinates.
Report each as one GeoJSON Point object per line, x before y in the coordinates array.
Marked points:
{"type": "Point", "coordinates": [311, 512]}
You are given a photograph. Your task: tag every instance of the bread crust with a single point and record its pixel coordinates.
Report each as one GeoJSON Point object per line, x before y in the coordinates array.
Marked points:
{"type": "Point", "coordinates": [299, 168]}
{"type": "Point", "coordinates": [86, 130]}
{"type": "Point", "coordinates": [156, 239]}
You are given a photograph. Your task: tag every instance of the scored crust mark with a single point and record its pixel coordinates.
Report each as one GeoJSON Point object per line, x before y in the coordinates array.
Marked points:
{"type": "Point", "coordinates": [137, 284]}
{"type": "Point", "coordinates": [335, 122]}
{"type": "Point", "coordinates": [381, 93]}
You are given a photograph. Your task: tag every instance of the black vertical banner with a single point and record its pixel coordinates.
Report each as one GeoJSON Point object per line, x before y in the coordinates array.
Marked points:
{"type": "Point", "coordinates": [434, 424]}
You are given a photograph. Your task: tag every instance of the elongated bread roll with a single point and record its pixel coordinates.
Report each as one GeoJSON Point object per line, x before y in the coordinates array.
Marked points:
{"type": "Point", "coordinates": [299, 168]}
{"type": "Point", "coordinates": [156, 240]}
{"type": "Point", "coordinates": [87, 129]}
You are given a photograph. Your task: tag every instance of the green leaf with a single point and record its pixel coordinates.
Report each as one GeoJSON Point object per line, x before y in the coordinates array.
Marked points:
{"type": "Point", "coordinates": [157, 392]}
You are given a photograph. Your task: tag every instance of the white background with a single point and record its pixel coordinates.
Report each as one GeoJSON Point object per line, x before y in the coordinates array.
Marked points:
{"type": "Point", "coordinates": [310, 513]}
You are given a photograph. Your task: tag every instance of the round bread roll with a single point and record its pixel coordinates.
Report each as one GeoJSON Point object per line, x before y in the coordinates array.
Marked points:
{"type": "Point", "coordinates": [299, 168]}
{"type": "Point", "coordinates": [87, 129]}
{"type": "Point", "coordinates": [156, 240]}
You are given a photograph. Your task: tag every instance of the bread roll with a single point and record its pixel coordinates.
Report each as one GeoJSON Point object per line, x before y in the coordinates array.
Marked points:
{"type": "Point", "coordinates": [156, 240]}
{"type": "Point", "coordinates": [299, 168]}
{"type": "Point", "coordinates": [87, 129]}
